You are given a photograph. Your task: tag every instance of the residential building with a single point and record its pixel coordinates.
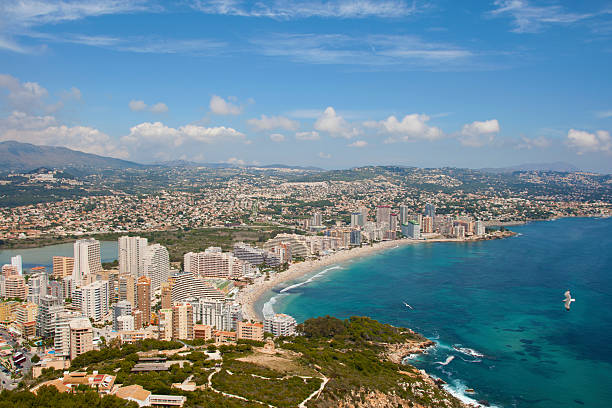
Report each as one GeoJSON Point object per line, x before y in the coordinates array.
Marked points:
{"type": "Point", "coordinates": [214, 263]}
{"type": "Point", "coordinates": [202, 331]}
{"type": "Point", "coordinates": [15, 287]}
{"type": "Point", "coordinates": [250, 331]}
{"type": "Point", "coordinates": [81, 336]}
{"type": "Point", "coordinates": [186, 285]}
{"type": "Point", "coordinates": [427, 226]}
{"type": "Point", "coordinates": [86, 260]}
{"type": "Point", "coordinates": [95, 300]}
{"type": "Point", "coordinates": [316, 220]}
{"type": "Point", "coordinates": [430, 210]}
{"type": "Point", "coordinates": [182, 321]}
{"type": "Point", "coordinates": [37, 286]}
{"type": "Point", "coordinates": [48, 308]}
{"type": "Point", "coordinates": [220, 314]}
{"type": "Point", "coordinates": [121, 308]}
{"type": "Point", "coordinates": [165, 324]}
{"type": "Point", "coordinates": [383, 215]}
{"type": "Point", "coordinates": [63, 266]}
{"type": "Point", "coordinates": [143, 290]}
{"type": "Point", "coordinates": [131, 255]}
{"type": "Point", "coordinates": [17, 262]}
{"type": "Point", "coordinates": [479, 228]}
{"type": "Point", "coordinates": [156, 261]}
{"type": "Point", "coordinates": [127, 289]}
{"type": "Point", "coordinates": [166, 295]}
{"type": "Point", "coordinates": [280, 325]}
{"type": "Point", "coordinates": [355, 237]}
{"type": "Point", "coordinates": [26, 318]}
{"type": "Point", "coordinates": [61, 337]}
{"type": "Point", "coordinates": [125, 323]}
{"type": "Point", "coordinates": [412, 230]}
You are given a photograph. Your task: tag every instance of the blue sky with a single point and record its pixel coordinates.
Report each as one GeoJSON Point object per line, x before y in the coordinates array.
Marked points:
{"type": "Point", "coordinates": [332, 83]}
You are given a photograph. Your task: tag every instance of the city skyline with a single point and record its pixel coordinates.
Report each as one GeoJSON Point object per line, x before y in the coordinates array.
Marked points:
{"type": "Point", "coordinates": [330, 84]}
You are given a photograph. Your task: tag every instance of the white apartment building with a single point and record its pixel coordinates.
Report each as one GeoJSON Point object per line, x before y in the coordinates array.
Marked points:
{"type": "Point", "coordinates": [280, 325]}
{"type": "Point", "coordinates": [131, 255]}
{"type": "Point", "coordinates": [95, 299]}
{"type": "Point", "coordinates": [62, 332]}
{"type": "Point", "coordinates": [156, 261]}
{"type": "Point", "coordinates": [213, 263]}
{"type": "Point", "coordinates": [186, 285]}
{"type": "Point", "coordinates": [86, 260]}
{"type": "Point", "coordinates": [125, 323]}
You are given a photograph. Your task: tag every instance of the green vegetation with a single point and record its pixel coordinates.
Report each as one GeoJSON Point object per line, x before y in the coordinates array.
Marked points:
{"type": "Point", "coordinates": [49, 397]}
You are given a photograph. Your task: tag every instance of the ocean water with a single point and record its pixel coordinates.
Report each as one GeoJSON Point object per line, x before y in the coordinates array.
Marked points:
{"type": "Point", "coordinates": [43, 256]}
{"type": "Point", "coordinates": [494, 309]}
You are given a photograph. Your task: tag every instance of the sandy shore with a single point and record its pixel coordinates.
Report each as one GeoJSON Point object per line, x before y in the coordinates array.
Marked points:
{"type": "Point", "coordinates": [250, 294]}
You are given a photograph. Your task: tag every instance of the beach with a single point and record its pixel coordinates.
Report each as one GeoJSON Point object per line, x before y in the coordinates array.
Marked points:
{"type": "Point", "coordinates": [249, 295]}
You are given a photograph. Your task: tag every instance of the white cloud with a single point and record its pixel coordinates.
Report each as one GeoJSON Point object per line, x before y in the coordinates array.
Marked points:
{"type": "Point", "coordinates": [324, 155]}
{"type": "Point", "coordinates": [140, 106]}
{"type": "Point", "coordinates": [477, 134]}
{"type": "Point", "coordinates": [335, 125]}
{"type": "Point", "coordinates": [220, 106]}
{"type": "Point", "coordinates": [137, 106]}
{"type": "Point", "coordinates": [358, 143]}
{"type": "Point", "coordinates": [72, 94]}
{"type": "Point", "coordinates": [411, 128]}
{"type": "Point", "coordinates": [273, 122]}
{"type": "Point", "coordinates": [285, 10]}
{"type": "Point", "coordinates": [528, 18]}
{"type": "Point", "coordinates": [536, 142]}
{"type": "Point", "coordinates": [312, 135]}
{"type": "Point", "coordinates": [604, 114]}
{"type": "Point", "coordinates": [148, 133]}
{"type": "Point", "coordinates": [585, 142]}
{"type": "Point", "coordinates": [45, 130]}
{"type": "Point", "coordinates": [159, 107]}
{"type": "Point", "coordinates": [236, 161]}
{"type": "Point", "coordinates": [277, 137]}
{"type": "Point", "coordinates": [25, 96]}
{"type": "Point", "coordinates": [381, 50]}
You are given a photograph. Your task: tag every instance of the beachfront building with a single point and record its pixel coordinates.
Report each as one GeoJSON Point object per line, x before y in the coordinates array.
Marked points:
{"type": "Point", "coordinates": [213, 263]}
{"type": "Point", "coordinates": [280, 325]}
{"type": "Point", "coordinates": [427, 226]}
{"type": "Point", "coordinates": [255, 256]}
{"type": "Point", "coordinates": [430, 210]}
{"type": "Point", "coordinates": [383, 215]}
{"type": "Point", "coordinates": [412, 230]}
{"type": "Point", "coordinates": [186, 285]}
{"type": "Point", "coordinates": [479, 228]}
{"type": "Point", "coordinates": [86, 260]}
{"type": "Point", "coordinates": [131, 255]}
{"type": "Point", "coordinates": [297, 244]}
{"type": "Point", "coordinates": [220, 314]}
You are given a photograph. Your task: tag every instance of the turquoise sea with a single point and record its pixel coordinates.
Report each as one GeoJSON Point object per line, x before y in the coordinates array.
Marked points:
{"type": "Point", "coordinates": [493, 307]}
{"type": "Point", "coordinates": [43, 256]}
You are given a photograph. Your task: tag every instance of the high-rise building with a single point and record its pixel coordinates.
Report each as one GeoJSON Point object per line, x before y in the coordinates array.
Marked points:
{"type": "Point", "coordinates": [62, 266]}
{"type": "Point", "coordinates": [121, 308]}
{"type": "Point", "coordinates": [403, 214]}
{"type": "Point", "coordinates": [356, 220]}
{"type": "Point", "coordinates": [61, 340]}
{"type": "Point", "coordinates": [125, 323]}
{"type": "Point", "coordinates": [393, 222]}
{"type": "Point", "coordinates": [127, 289]}
{"type": "Point", "coordinates": [48, 308]}
{"type": "Point", "coordinates": [412, 229]}
{"type": "Point", "coordinates": [81, 336]}
{"type": "Point", "coordinates": [479, 228]}
{"type": "Point", "coordinates": [280, 325]}
{"type": "Point", "coordinates": [383, 215]}
{"type": "Point", "coordinates": [15, 287]}
{"type": "Point", "coordinates": [213, 263]}
{"type": "Point", "coordinates": [182, 321]}
{"type": "Point", "coordinates": [17, 262]}
{"type": "Point", "coordinates": [95, 300]}
{"type": "Point", "coordinates": [37, 286]}
{"type": "Point", "coordinates": [137, 314]}
{"type": "Point", "coordinates": [185, 285]}
{"type": "Point", "coordinates": [86, 260]}
{"type": "Point", "coordinates": [143, 290]}
{"type": "Point", "coordinates": [131, 255]}
{"type": "Point", "coordinates": [317, 220]}
{"type": "Point", "coordinates": [427, 225]}
{"type": "Point", "coordinates": [9, 270]}
{"type": "Point", "coordinates": [156, 265]}
{"type": "Point", "coordinates": [220, 314]}
{"type": "Point", "coordinates": [26, 318]}
{"type": "Point", "coordinates": [430, 211]}
{"type": "Point", "coordinates": [363, 210]}
{"type": "Point", "coordinates": [356, 237]}
{"type": "Point", "coordinates": [165, 324]}
{"type": "Point", "coordinates": [166, 295]}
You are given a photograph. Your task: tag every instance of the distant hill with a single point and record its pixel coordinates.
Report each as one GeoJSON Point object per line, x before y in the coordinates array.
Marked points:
{"type": "Point", "coordinates": [16, 156]}
{"type": "Point", "coordinates": [556, 166]}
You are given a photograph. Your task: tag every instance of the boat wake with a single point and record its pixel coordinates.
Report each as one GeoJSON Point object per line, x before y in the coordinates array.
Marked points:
{"type": "Point", "coordinates": [312, 278]}
{"type": "Point", "coordinates": [468, 351]}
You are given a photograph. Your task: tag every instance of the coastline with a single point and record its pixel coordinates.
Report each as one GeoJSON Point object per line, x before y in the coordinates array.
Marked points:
{"type": "Point", "coordinates": [248, 296]}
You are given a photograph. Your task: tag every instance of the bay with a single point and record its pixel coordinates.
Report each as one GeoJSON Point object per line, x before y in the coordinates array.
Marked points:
{"type": "Point", "coordinates": [495, 307]}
